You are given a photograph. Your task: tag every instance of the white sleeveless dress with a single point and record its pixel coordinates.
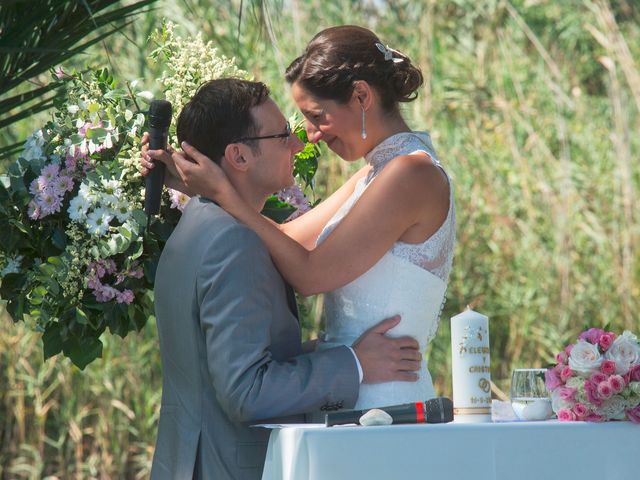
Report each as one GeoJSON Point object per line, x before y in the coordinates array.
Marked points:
{"type": "Point", "coordinates": [409, 280]}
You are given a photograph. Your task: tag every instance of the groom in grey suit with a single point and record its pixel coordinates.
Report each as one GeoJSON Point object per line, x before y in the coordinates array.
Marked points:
{"type": "Point", "coordinates": [229, 334]}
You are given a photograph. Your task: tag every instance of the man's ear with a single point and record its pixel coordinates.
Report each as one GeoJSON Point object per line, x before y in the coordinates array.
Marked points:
{"type": "Point", "coordinates": [362, 94]}
{"type": "Point", "coordinates": [235, 156]}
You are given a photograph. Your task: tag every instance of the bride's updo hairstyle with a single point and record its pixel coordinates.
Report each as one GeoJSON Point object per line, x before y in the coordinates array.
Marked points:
{"type": "Point", "coordinates": [338, 56]}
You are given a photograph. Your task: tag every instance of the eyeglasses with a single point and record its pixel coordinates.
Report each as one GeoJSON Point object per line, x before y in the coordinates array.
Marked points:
{"type": "Point", "coordinates": [286, 134]}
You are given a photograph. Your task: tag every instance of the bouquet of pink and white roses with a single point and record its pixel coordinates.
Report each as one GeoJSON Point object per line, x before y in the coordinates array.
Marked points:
{"type": "Point", "coordinates": [597, 378]}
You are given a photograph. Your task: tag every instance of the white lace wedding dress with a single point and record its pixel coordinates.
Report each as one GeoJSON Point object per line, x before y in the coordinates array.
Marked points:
{"type": "Point", "coordinates": [409, 280]}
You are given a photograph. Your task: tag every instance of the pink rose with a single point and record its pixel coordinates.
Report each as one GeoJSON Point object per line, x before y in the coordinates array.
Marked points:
{"type": "Point", "coordinates": [592, 335]}
{"type": "Point", "coordinates": [605, 390]}
{"type": "Point", "coordinates": [598, 377]}
{"type": "Point", "coordinates": [566, 373]}
{"type": "Point", "coordinates": [608, 367]}
{"type": "Point", "coordinates": [591, 391]}
{"type": "Point", "coordinates": [593, 417]}
{"type": "Point", "coordinates": [634, 414]}
{"type": "Point", "coordinates": [562, 358]}
{"type": "Point", "coordinates": [634, 373]}
{"type": "Point", "coordinates": [568, 394]}
{"type": "Point", "coordinates": [606, 340]}
{"type": "Point", "coordinates": [616, 382]}
{"type": "Point", "coordinates": [568, 349]}
{"type": "Point", "coordinates": [552, 379]}
{"type": "Point", "coordinates": [580, 410]}
{"type": "Point", "coordinates": [566, 415]}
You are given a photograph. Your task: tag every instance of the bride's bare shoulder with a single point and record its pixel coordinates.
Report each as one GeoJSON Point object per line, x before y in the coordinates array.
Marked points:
{"type": "Point", "coordinates": [418, 172]}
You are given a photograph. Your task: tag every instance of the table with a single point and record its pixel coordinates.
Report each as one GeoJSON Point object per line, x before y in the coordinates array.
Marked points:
{"type": "Point", "coordinates": [518, 450]}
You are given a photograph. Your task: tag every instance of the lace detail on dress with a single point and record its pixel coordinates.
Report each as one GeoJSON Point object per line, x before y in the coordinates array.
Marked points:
{"type": "Point", "coordinates": [435, 254]}
{"type": "Point", "coordinates": [400, 144]}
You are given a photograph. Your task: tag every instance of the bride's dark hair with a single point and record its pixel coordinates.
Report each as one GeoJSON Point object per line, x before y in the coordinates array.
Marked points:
{"type": "Point", "coordinates": [338, 56]}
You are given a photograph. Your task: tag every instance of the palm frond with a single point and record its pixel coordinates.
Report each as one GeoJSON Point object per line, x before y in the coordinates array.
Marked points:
{"type": "Point", "coordinates": [22, 98]}
{"type": "Point", "coordinates": [10, 150]}
{"type": "Point", "coordinates": [35, 40]}
{"type": "Point", "coordinates": [32, 43]}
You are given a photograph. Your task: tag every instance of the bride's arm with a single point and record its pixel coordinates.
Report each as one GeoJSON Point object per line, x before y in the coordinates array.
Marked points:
{"type": "Point", "coordinates": [407, 192]}
{"type": "Point", "coordinates": [306, 228]}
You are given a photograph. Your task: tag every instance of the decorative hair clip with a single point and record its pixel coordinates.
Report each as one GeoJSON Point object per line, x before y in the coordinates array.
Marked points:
{"type": "Point", "coordinates": [388, 53]}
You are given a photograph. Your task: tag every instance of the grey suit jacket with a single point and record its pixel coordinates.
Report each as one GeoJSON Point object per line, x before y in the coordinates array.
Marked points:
{"type": "Point", "coordinates": [231, 352]}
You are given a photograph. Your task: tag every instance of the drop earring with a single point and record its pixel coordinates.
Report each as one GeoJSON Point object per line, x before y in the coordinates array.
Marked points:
{"type": "Point", "coordinates": [363, 133]}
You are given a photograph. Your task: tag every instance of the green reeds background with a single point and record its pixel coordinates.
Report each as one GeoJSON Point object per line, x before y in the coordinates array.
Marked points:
{"type": "Point", "coordinates": [534, 108]}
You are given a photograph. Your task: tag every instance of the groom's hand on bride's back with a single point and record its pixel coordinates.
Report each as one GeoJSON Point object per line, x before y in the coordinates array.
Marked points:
{"type": "Point", "coordinates": [386, 359]}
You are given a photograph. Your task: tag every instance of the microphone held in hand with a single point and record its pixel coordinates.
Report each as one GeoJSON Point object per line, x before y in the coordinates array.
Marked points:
{"type": "Point", "coordinates": [436, 410]}
{"type": "Point", "coordinates": [159, 121]}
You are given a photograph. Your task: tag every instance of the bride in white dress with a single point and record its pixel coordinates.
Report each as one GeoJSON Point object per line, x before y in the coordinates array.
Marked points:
{"type": "Point", "coordinates": [409, 280]}
{"type": "Point", "coordinates": [382, 244]}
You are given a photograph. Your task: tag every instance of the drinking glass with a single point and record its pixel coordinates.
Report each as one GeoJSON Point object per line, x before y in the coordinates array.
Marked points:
{"type": "Point", "coordinates": [529, 397]}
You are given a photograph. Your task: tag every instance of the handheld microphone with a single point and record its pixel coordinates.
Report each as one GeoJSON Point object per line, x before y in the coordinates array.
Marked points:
{"type": "Point", "coordinates": [436, 410]}
{"type": "Point", "coordinates": [159, 120]}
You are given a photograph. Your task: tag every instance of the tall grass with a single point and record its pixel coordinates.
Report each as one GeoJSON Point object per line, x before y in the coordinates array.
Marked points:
{"type": "Point", "coordinates": [534, 108]}
{"type": "Point", "coordinates": [59, 422]}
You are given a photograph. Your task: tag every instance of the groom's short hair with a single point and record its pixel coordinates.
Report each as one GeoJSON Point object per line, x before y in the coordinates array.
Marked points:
{"type": "Point", "coordinates": [219, 113]}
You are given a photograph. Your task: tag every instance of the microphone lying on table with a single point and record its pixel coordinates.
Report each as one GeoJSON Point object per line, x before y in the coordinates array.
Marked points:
{"type": "Point", "coordinates": [436, 410]}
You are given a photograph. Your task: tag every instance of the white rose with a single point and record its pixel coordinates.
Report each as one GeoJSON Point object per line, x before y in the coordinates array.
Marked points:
{"type": "Point", "coordinates": [557, 403]}
{"type": "Point", "coordinates": [585, 358]}
{"type": "Point", "coordinates": [625, 351]}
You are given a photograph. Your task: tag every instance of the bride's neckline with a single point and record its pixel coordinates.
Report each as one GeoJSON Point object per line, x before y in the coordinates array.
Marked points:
{"type": "Point", "coordinates": [388, 148]}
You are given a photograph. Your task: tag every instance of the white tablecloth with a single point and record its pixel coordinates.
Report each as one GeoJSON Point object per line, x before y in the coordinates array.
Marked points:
{"type": "Point", "coordinates": [519, 451]}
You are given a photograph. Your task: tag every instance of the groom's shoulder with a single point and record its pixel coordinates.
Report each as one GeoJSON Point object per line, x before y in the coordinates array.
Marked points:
{"type": "Point", "coordinates": [204, 214]}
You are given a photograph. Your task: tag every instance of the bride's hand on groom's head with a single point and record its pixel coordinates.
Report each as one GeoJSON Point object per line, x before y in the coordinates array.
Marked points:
{"type": "Point", "coordinates": [386, 359]}
{"type": "Point", "coordinates": [201, 174]}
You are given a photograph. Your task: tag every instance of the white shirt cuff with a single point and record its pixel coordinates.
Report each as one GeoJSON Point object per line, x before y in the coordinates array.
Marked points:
{"type": "Point", "coordinates": [360, 372]}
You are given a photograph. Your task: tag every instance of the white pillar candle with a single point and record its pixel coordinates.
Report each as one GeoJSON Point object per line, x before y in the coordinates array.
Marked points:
{"type": "Point", "coordinates": [470, 367]}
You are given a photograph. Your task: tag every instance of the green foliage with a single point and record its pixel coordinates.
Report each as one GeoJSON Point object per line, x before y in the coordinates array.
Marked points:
{"type": "Point", "coordinates": [306, 164]}
{"type": "Point", "coordinates": [35, 40]}
{"type": "Point", "coordinates": [277, 210]}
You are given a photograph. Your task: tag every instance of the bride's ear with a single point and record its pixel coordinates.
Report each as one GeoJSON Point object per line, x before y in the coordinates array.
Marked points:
{"type": "Point", "coordinates": [234, 155]}
{"type": "Point", "coordinates": [362, 94]}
